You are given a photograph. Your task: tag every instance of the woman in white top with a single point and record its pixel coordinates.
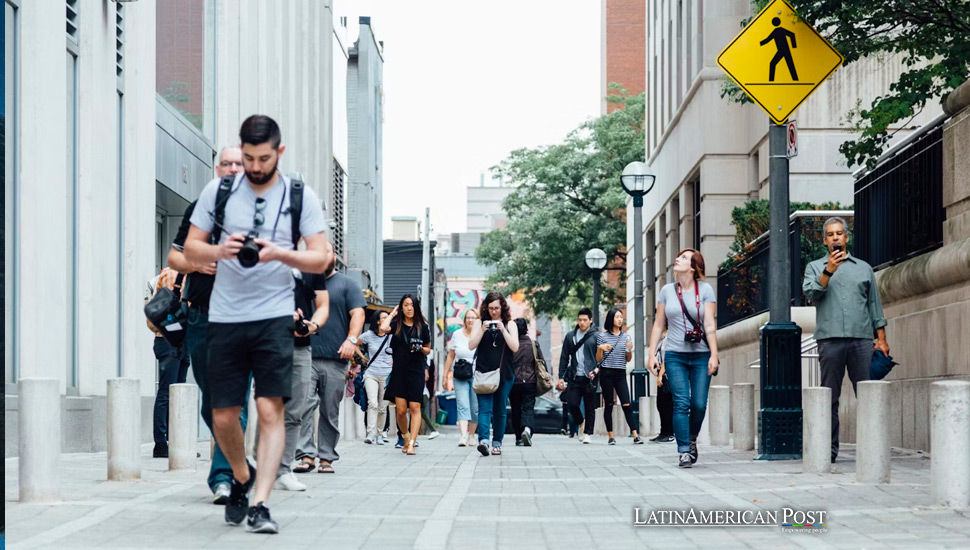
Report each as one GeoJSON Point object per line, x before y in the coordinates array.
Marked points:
{"type": "Point", "coordinates": [464, 395]}
{"type": "Point", "coordinates": [377, 344]}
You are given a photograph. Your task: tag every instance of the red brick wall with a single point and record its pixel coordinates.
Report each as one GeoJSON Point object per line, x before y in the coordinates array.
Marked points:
{"type": "Point", "coordinates": [180, 52]}
{"type": "Point", "coordinates": [626, 45]}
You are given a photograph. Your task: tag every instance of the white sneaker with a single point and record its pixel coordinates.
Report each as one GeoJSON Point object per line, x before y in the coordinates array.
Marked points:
{"type": "Point", "coordinates": [433, 434]}
{"type": "Point", "coordinates": [378, 439]}
{"type": "Point", "coordinates": [288, 482]}
{"type": "Point", "coordinates": [384, 437]}
{"type": "Point", "coordinates": [220, 495]}
{"type": "Point", "coordinates": [587, 439]}
{"type": "Point", "coordinates": [463, 441]}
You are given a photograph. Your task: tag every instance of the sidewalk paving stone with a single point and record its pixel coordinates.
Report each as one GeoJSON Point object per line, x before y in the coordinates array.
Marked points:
{"type": "Point", "coordinates": [557, 494]}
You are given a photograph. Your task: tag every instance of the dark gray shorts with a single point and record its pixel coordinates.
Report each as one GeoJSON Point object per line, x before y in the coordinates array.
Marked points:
{"type": "Point", "coordinates": [261, 348]}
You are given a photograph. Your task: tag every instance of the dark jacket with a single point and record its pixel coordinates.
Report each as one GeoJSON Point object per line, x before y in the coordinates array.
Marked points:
{"type": "Point", "coordinates": [567, 360]}
{"type": "Point", "coordinates": [523, 362]}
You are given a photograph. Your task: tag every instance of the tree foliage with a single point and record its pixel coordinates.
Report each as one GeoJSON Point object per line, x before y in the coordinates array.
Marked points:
{"type": "Point", "coordinates": [568, 199]}
{"type": "Point", "coordinates": [931, 36]}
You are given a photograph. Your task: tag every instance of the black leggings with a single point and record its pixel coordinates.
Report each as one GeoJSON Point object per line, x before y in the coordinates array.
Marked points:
{"type": "Point", "coordinates": [615, 380]}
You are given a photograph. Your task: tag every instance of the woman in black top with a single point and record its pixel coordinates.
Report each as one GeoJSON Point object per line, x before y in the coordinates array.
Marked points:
{"type": "Point", "coordinates": [410, 342]}
{"type": "Point", "coordinates": [496, 338]}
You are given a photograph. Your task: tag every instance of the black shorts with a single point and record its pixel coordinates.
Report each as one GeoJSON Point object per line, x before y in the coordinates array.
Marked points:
{"type": "Point", "coordinates": [261, 348]}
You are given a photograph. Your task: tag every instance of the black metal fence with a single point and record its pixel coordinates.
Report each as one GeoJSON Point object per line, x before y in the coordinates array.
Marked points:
{"type": "Point", "coordinates": [899, 203]}
{"type": "Point", "coordinates": [742, 289]}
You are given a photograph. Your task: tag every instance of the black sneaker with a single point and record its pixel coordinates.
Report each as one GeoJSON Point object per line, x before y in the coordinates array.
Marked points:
{"type": "Point", "coordinates": [612, 441]}
{"type": "Point", "coordinates": [527, 437]}
{"type": "Point", "coordinates": [483, 448]}
{"type": "Point", "coordinates": [685, 461]}
{"type": "Point", "coordinates": [258, 520]}
{"type": "Point", "coordinates": [638, 440]}
{"type": "Point", "coordinates": [238, 503]}
{"type": "Point", "coordinates": [693, 450]}
{"type": "Point", "coordinates": [519, 443]}
{"type": "Point", "coordinates": [160, 450]}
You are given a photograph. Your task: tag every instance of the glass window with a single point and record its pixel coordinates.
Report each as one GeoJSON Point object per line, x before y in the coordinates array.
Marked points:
{"type": "Point", "coordinates": [9, 183]}
{"type": "Point", "coordinates": [184, 64]}
{"type": "Point", "coordinates": [71, 217]}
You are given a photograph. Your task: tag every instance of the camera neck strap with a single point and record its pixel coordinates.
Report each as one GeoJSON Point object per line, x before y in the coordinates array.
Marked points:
{"type": "Point", "coordinates": [683, 307]}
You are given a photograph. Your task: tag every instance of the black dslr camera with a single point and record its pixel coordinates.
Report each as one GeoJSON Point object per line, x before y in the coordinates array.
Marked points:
{"type": "Point", "coordinates": [249, 254]}
{"type": "Point", "coordinates": [416, 347]}
{"type": "Point", "coordinates": [695, 336]}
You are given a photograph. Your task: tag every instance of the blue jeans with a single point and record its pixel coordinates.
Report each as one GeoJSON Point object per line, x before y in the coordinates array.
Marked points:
{"type": "Point", "coordinates": [492, 413]}
{"type": "Point", "coordinates": [220, 471]}
{"type": "Point", "coordinates": [173, 366]}
{"type": "Point", "coordinates": [689, 383]}
{"type": "Point", "coordinates": [466, 400]}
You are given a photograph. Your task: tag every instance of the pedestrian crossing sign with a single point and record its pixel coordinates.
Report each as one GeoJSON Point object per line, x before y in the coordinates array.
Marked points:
{"type": "Point", "coordinates": [779, 60]}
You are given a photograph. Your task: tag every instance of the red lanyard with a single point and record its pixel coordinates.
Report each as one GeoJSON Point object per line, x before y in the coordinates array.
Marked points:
{"type": "Point", "coordinates": [697, 299]}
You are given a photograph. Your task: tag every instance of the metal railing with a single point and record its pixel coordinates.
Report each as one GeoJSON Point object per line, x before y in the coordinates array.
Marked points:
{"type": "Point", "coordinates": [811, 368]}
{"type": "Point", "coordinates": [742, 290]}
{"type": "Point", "coordinates": [899, 203]}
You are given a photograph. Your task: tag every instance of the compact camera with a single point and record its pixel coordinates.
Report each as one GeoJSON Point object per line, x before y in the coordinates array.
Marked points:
{"type": "Point", "coordinates": [415, 347]}
{"type": "Point", "coordinates": [248, 255]}
{"type": "Point", "coordinates": [492, 325]}
{"type": "Point", "coordinates": [695, 336]}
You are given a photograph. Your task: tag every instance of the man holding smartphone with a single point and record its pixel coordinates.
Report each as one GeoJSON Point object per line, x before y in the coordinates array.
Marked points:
{"type": "Point", "coordinates": [848, 313]}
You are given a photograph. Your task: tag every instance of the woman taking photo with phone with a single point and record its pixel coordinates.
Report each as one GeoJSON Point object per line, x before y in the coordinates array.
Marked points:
{"type": "Point", "coordinates": [410, 342]}
{"type": "Point", "coordinates": [614, 349]}
{"type": "Point", "coordinates": [687, 307]}
{"type": "Point", "coordinates": [459, 369]}
{"type": "Point", "coordinates": [496, 338]}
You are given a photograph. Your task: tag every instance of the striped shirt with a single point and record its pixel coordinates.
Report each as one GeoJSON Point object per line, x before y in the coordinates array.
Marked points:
{"type": "Point", "coordinates": [616, 358]}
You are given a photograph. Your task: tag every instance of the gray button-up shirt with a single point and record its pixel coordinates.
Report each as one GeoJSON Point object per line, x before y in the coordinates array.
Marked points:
{"type": "Point", "coordinates": [850, 306]}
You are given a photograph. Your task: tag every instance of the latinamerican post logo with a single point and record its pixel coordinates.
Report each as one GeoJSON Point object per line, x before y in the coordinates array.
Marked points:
{"type": "Point", "coordinates": [788, 519]}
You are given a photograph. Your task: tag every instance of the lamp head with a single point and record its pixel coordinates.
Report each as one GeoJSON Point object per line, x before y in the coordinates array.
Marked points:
{"type": "Point", "coordinates": [596, 259]}
{"type": "Point", "coordinates": [637, 179]}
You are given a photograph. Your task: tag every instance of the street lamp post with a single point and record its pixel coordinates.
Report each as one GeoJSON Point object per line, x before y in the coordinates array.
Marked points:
{"type": "Point", "coordinates": [637, 181]}
{"type": "Point", "coordinates": [596, 261]}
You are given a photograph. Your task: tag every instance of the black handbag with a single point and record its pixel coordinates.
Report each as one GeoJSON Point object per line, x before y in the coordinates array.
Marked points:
{"type": "Point", "coordinates": [169, 313]}
{"type": "Point", "coordinates": [463, 370]}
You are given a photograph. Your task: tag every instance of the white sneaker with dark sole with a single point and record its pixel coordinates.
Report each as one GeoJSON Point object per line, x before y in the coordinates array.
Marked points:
{"type": "Point", "coordinates": [685, 461]}
{"type": "Point", "coordinates": [587, 439]}
{"type": "Point", "coordinates": [527, 437]}
{"type": "Point", "coordinates": [220, 495]}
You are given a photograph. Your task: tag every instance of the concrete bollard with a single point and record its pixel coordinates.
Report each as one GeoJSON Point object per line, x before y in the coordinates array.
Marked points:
{"type": "Point", "coordinates": [124, 429]}
{"type": "Point", "coordinates": [644, 416]}
{"type": "Point", "coordinates": [872, 432]}
{"type": "Point", "coordinates": [655, 423]}
{"type": "Point", "coordinates": [950, 444]}
{"type": "Point", "coordinates": [817, 430]}
{"type": "Point", "coordinates": [719, 413]}
{"type": "Point", "coordinates": [742, 416]}
{"type": "Point", "coordinates": [39, 431]}
{"type": "Point", "coordinates": [183, 426]}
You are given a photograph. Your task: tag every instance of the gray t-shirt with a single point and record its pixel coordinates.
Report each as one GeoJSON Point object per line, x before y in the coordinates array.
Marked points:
{"type": "Point", "coordinates": [345, 295]}
{"type": "Point", "coordinates": [380, 365]}
{"type": "Point", "coordinates": [580, 356]}
{"type": "Point", "coordinates": [264, 291]}
{"type": "Point", "coordinates": [675, 315]}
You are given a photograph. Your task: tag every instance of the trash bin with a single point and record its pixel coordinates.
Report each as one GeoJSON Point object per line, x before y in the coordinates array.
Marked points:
{"type": "Point", "coordinates": [447, 405]}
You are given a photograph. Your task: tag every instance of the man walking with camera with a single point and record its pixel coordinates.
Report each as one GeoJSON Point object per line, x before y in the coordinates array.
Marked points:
{"type": "Point", "coordinates": [250, 233]}
{"type": "Point", "coordinates": [333, 346]}
{"type": "Point", "coordinates": [848, 313]}
{"type": "Point", "coordinates": [199, 279]}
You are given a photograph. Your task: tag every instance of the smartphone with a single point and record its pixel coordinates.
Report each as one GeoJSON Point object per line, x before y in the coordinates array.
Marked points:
{"type": "Point", "coordinates": [837, 248]}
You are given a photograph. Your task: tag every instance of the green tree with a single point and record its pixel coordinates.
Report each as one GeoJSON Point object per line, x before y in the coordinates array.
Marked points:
{"type": "Point", "coordinates": [568, 199]}
{"type": "Point", "coordinates": [931, 38]}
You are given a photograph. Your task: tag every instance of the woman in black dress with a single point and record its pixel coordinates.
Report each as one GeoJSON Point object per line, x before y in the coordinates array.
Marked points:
{"type": "Point", "coordinates": [410, 342]}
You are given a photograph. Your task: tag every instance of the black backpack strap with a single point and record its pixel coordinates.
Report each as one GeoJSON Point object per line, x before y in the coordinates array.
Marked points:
{"type": "Point", "coordinates": [296, 208]}
{"type": "Point", "coordinates": [222, 197]}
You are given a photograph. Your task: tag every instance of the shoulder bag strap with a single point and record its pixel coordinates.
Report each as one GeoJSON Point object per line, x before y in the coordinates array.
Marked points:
{"type": "Point", "coordinates": [222, 197]}
{"type": "Point", "coordinates": [379, 350]}
{"type": "Point", "coordinates": [296, 208]}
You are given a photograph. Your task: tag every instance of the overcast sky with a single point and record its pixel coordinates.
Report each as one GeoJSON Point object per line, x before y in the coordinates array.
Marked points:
{"type": "Point", "coordinates": [465, 83]}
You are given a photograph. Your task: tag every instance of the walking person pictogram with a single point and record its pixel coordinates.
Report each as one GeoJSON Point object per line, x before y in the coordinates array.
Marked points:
{"type": "Point", "coordinates": [780, 36]}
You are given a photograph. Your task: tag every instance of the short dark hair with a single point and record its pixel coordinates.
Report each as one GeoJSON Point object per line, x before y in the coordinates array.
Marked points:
{"type": "Point", "coordinates": [522, 325]}
{"type": "Point", "coordinates": [375, 321]}
{"type": "Point", "coordinates": [260, 129]}
{"type": "Point", "coordinates": [608, 325]}
{"type": "Point", "coordinates": [585, 311]}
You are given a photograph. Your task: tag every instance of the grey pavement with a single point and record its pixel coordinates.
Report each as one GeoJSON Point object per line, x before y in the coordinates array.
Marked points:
{"type": "Point", "coordinates": [558, 494]}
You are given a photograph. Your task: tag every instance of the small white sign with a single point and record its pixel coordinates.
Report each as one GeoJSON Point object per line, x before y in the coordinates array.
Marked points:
{"type": "Point", "coordinates": [791, 136]}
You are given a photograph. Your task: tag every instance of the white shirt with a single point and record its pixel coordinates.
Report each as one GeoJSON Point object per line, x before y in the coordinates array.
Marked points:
{"type": "Point", "coordinates": [459, 344]}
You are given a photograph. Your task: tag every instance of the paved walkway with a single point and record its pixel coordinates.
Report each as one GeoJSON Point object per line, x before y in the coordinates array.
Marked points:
{"type": "Point", "coordinates": [558, 495]}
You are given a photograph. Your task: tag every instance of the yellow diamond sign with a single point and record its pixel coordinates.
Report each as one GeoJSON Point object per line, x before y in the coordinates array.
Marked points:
{"type": "Point", "coordinates": [779, 60]}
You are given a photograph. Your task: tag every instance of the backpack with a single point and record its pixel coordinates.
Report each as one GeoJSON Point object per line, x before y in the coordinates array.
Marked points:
{"type": "Point", "coordinates": [295, 209]}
